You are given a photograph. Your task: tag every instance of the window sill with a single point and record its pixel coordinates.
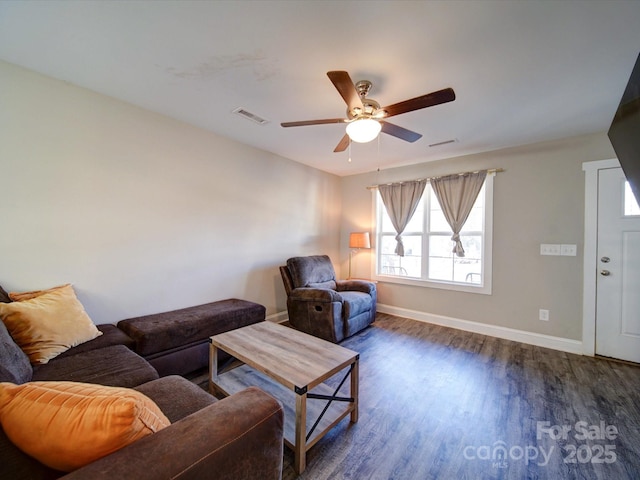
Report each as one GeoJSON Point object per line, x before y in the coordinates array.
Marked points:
{"type": "Point", "coordinates": [458, 287]}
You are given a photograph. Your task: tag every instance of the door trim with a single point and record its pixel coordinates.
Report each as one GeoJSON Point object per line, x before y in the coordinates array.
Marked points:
{"type": "Point", "coordinates": [591, 251]}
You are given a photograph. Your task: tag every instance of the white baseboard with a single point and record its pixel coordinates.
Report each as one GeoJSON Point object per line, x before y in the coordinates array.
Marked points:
{"type": "Point", "coordinates": [279, 317]}
{"type": "Point", "coordinates": [531, 338]}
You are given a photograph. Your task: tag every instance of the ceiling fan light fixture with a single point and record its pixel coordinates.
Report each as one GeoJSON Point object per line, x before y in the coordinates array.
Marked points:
{"type": "Point", "coordinates": [363, 130]}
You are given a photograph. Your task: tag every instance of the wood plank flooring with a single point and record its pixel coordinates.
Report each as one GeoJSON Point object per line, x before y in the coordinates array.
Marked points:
{"type": "Point", "coordinates": [439, 403]}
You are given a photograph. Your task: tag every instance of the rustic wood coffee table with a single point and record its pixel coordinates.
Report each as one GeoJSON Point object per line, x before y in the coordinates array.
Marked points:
{"type": "Point", "coordinates": [288, 363]}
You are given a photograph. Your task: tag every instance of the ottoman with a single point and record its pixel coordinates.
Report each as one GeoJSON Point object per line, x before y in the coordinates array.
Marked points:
{"type": "Point", "coordinates": [176, 342]}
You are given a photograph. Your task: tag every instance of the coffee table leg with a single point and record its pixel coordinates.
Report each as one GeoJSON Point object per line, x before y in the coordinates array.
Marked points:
{"type": "Point", "coordinates": [354, 390]}
{"type": "Point", "coordinates": [300, 450]}
{"type": "Point", "coordinates": [213, 367]}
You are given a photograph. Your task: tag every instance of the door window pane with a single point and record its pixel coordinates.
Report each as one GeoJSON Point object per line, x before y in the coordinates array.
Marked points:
{"type": "Point", "coordinates": [631, 207]}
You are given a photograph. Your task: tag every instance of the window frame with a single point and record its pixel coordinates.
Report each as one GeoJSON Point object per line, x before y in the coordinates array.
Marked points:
{"type": "Point", "coordinates": [485, 287]}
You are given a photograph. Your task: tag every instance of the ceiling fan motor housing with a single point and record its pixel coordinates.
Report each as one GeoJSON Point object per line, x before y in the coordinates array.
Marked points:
{"type": "Point", "coordinates": [363, 87]}
{"type": "Point", "coordinates": [370, 106]}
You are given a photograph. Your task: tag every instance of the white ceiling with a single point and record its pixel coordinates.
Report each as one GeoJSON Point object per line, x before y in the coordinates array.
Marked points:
{"type": "Point", "coordinates": [523, 71]}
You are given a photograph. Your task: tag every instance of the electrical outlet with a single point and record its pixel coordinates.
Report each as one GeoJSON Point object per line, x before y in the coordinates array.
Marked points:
{"type": "Point", "coordinates": [544, 315]}
{"type": "Point", "coordinates": [568, 250]}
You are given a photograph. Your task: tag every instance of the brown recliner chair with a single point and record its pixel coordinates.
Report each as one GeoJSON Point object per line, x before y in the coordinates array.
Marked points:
{"type": "Point", "coordinates": [322, 306]}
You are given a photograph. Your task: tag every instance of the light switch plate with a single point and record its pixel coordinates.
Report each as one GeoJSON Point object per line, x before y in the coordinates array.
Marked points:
{"type": "Point", "coordinates": [568, 250]}
{"type": "Point", "coordinates": [549, 249]}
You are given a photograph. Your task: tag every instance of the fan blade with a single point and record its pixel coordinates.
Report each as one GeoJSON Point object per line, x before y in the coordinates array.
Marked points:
{"type": "Point", "coordinates": [342, 144]}
{"type": "Point", "coordinates": [314, 122]}
{"type": "Point", "coordinates": [400, 132]}
{"type": "Point", "coordinates": [343, 83]}
{"type": "Point", "coordinates": [428, 100]}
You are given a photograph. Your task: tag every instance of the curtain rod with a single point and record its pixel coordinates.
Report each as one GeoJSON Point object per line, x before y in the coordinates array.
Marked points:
{"type": "Point", "coordinates": [489, 172]}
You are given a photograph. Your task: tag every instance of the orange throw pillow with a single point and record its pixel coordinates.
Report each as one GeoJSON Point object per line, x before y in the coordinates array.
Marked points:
{"type": "Point", "coordinates": [19, 296]}
{"type": "Point", "coordinates": [66, 425]}
{"type": "Point", "coordinates": [48, 324]}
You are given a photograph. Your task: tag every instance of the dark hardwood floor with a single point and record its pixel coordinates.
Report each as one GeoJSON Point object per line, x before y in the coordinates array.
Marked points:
{"type": "Point", "coordinates": [439, 403]}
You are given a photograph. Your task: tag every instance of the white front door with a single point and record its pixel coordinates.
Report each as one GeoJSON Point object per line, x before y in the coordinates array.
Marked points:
{"type": "Point", "coordinates": [618, 269]}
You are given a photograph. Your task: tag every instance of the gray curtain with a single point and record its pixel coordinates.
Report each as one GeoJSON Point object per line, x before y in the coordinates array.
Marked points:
{"type": "Point", "coordinates": [401, 201]}
{"type": "Point", "coordinates": [457, 194]}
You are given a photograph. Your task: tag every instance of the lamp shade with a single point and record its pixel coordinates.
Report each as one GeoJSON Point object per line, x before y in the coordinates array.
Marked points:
{"type": "Point", "coordinates": [363, 130]}
{"type": "Point", "coordinates": [359, 240]}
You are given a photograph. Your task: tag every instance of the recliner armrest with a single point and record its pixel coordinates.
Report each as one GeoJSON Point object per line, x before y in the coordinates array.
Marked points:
{"type": "Point", "coordinates": [238, 437]}
{"type": "Point", "coordinates": [308, 294]}
{"type": "Point", "coordinates": [356, 285]}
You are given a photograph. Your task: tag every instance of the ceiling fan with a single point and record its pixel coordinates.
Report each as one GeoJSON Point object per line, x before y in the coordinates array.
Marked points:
{"type": "Point", "coordinates": [365, 118]}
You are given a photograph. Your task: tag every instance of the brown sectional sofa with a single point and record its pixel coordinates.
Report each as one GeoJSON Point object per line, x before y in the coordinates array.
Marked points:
{"type": "Point", "coordinates": [240, 437]}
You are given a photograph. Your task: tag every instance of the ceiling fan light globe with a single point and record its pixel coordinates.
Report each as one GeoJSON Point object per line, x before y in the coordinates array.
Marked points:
{"type": "Point", "coordinates": [363, 130]}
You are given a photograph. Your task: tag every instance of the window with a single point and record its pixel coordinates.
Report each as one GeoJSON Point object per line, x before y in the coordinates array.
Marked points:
{"type": "Point", "coordinates": [429, 260]}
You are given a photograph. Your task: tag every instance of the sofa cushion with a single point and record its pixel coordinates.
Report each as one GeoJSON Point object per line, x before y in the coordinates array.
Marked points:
{"type": "Point", "coordinates": [315, 271]}
{"type": "Point", "coordinates": [48, 324]}
{"type": "Point", "coordinates": [115, 366]}
{"type": "Point", "coordinates": [14, 363]}
{"type": "Point", "coordinates": [355, 303]}
{"type": "Point", "coordinates": [66, 425]}
{"type": "Point", "coordinates": [176, 396]}
{"type": "Point", "coordinates": [180, 328]}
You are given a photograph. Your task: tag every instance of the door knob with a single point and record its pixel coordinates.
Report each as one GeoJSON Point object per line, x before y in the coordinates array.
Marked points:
{"type": "Point", "coordinates": [605, 259]}
{"type": "Point", "coordinates": [605, 273]}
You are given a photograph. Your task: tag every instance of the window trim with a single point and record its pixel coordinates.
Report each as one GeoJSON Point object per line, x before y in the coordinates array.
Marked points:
{"type": "Point", "coordinates": [487, 257]}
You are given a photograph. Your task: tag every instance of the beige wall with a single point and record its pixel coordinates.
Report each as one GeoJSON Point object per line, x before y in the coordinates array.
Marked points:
{"type": "Point", "coordinates": [538, 199]}
{"type": "Point", "coordinates": [143, 213]}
